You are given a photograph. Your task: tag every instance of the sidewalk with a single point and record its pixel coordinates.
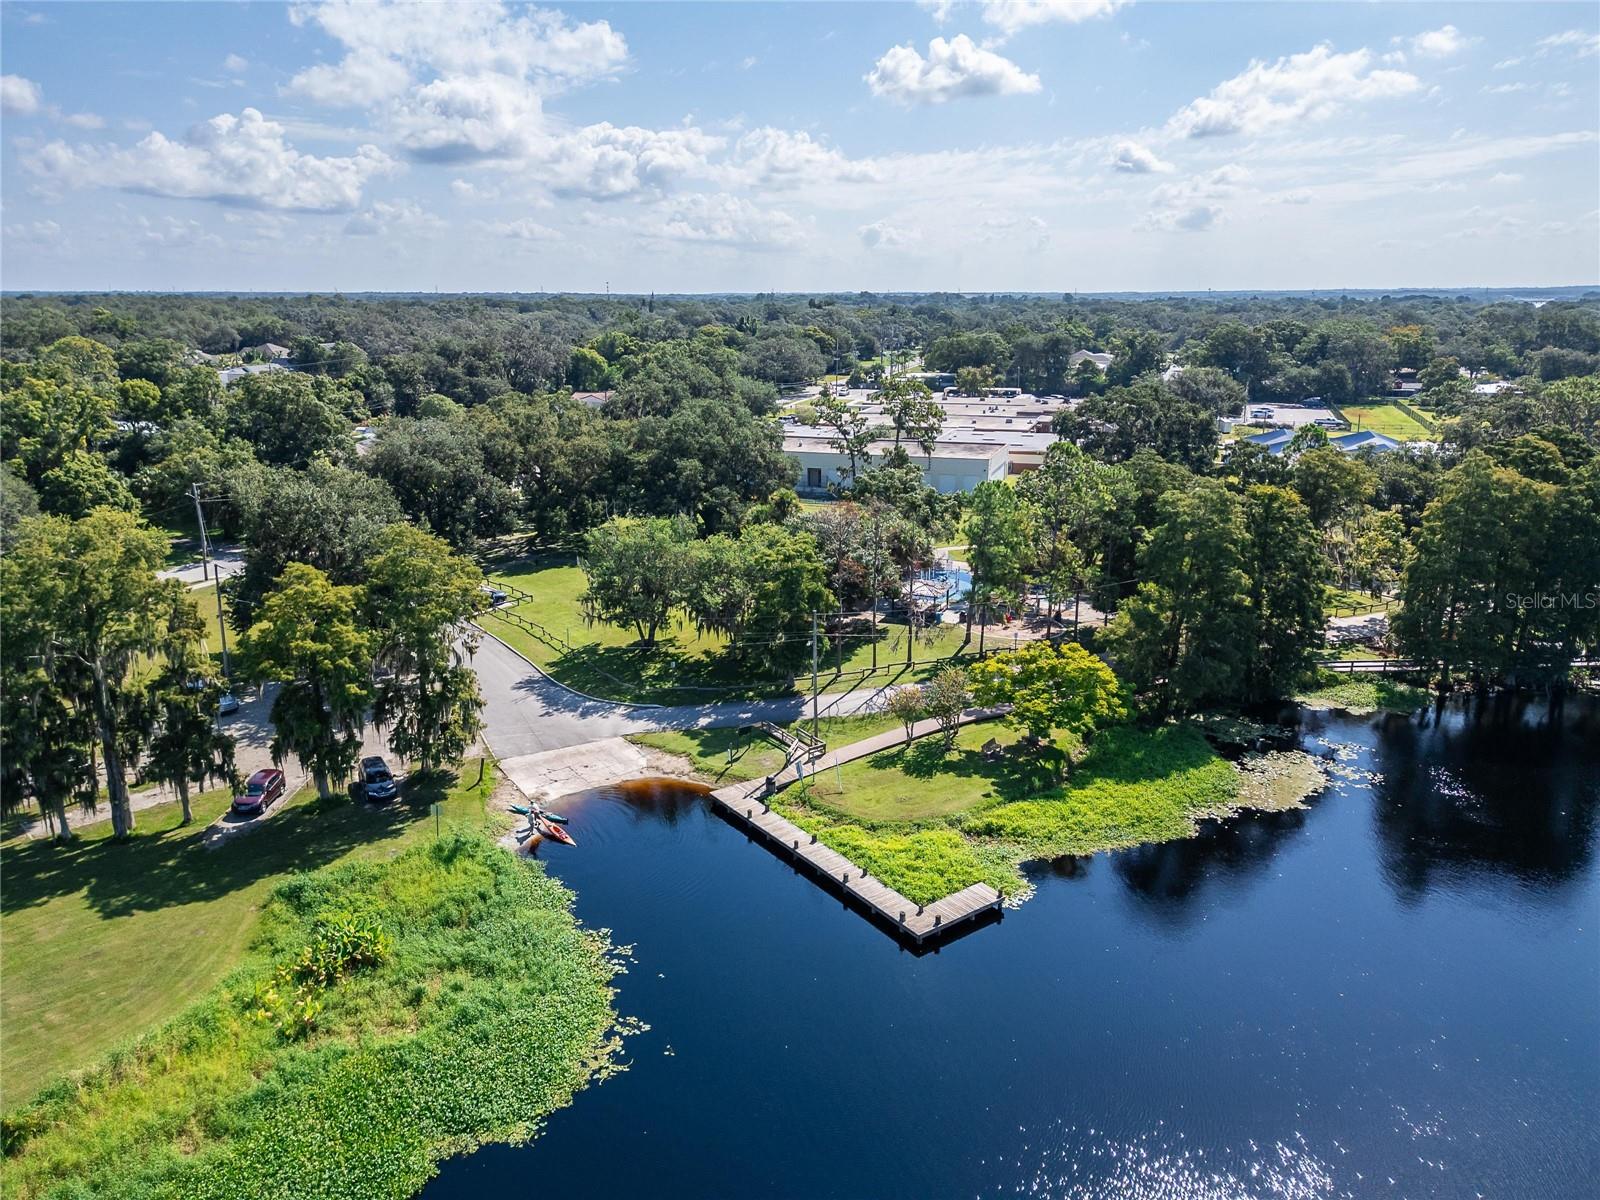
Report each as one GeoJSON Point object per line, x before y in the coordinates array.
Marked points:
{"type": "Point", "coordinates": [862, 749]}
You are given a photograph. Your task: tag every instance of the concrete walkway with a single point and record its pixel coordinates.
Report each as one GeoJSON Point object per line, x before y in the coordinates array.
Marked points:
{"type": "Point", "coordinates": [862, 749]}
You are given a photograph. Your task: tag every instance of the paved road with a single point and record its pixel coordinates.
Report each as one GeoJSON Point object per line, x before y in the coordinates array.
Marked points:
{"type": "Point", "coordinates": [527, 712]}
{"type": "Point", "coordinates": [228, 562]}
{"type": "Point", "coordinates": [251, 730]}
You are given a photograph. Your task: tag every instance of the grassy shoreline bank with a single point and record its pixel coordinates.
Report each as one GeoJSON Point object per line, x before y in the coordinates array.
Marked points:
{"type": "Point", "coordinates": [929, 823]}
{"type": "Point", "coordinates": [387, 1014]}
{"type": "Point", "coordinates": [135, 929]}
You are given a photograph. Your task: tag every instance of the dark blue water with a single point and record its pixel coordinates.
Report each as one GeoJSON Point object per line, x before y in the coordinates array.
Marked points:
{"type": "Point", "coordinates": [1395, 992]}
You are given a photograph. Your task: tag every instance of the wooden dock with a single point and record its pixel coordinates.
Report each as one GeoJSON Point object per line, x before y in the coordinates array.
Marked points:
{"type": "Point", "coordinates": [745, 805]}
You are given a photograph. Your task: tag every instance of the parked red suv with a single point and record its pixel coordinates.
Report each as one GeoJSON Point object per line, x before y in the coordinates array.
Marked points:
{"type": "Point", "coordinates": [260, 790]}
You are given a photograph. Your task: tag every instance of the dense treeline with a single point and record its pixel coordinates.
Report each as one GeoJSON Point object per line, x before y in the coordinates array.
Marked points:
{"type": "Point", "coordinates": [472, 348]}
{"type": "Point", "coordinates": [114, 415]}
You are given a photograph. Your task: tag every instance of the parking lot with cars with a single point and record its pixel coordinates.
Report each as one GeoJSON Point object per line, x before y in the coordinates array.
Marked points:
{"type": "Point", "coordinates": [1291, 416]}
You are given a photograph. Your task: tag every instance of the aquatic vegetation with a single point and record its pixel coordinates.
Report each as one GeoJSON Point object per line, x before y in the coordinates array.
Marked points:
{"type": "Point", "coordinates": [1361, 694]}
{"type": "Point", "coordinates": [456, 1001]}
{"type": "Point", "coordinates": [1279, 780]}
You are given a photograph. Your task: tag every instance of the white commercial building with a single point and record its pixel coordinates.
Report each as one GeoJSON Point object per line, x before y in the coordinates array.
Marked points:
{"type": "Point", "coordinates": [954, 466]}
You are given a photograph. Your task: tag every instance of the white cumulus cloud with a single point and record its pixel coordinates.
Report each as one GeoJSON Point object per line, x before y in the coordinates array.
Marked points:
{"type": "Point", "coordinates": [954, 68]}
{"type": "Point", "coordinates": [605, 161]}
{"type": "Point", "coordinates": [1301, 87]}
{"type": "Point", "coordinates": [718, 219]}
{"type": "Point", "coordinates": [385, 217]}
{"type": "Point", "coordinates": [1443, 42]}
{"type": "Point", "coordinates": [771, 157]}
{"type": "Point", "coordinates": [1137, 159]}
{"type": "Point", "coordinates": [242, 160]}
{"type": "Point", "coordinates": [881, 235]}
{"type": "Point", "coordinates": [466, 118]}
{"type": "Point", "coordinates": [19, 96]}
{"type": "Point", "coordinates": [1192, 205]}
{"type": "Point", "coordinates": [389, 44]}
{"type": "Point", "coordinates": [1009, 16]}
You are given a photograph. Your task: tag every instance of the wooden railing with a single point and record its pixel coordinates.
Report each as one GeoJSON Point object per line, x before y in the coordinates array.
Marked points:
{"type": "Point", "coordinates": [797, 744]}
{"type": "Point", "coordinates": [1401, 666]}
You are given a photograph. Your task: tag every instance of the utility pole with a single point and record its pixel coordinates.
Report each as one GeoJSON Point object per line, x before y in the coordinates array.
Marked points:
{"type": "Point", "coordinates": [200, 522]}
{"type": "Point", "coordinates": [814, 732]}
{"type": "Point", "coordinates": [222, 625]}
{"type": "Point", "coordinates": [877, 576]}
{"type": "Point", "coordinates": [911, 611]}
{"type": "Point", "coordinates": [216, 578]}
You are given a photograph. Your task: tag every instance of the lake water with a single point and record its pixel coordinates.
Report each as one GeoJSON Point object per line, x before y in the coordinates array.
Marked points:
{"type": "Point", "coordinates": [1395, 992]}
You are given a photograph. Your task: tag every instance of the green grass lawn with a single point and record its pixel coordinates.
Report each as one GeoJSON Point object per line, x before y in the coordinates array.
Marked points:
{"type": "Point", "coordinates": [1343, 602]}
{"type": "Point", "coordinates": [1350, 653]}
{"type": "Point", "coordinates": [390, 1012]}
{"type": "Point", "coordinates": [727, 756]}
{"type": "Point", "coordinates": [685, 665]}
{"type": "Point", "coordinates": [100, 940]}
{"type": "Point", "coordinates": [211, 612]}
{"type": "Point", "coordinates": [1386, 419]}
{"type": "Point", "coordinates": [928, 822]}
{"type": "Point", "coordinates": [205, 599]}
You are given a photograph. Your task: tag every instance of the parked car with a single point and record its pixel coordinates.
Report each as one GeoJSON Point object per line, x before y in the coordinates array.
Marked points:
{"type": "Point", "coordinates": [496, 596]}
{"type": "Point", "coordinates": [260, 791]}
{"type": "Point", "coordinates": [377, 781]}
{"type": "Point", "coordinates": [228, 705]}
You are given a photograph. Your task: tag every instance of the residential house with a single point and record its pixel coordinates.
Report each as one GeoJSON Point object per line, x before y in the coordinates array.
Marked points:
{"type": "Point", "coordinates": [1365, 439]}
{"type": "Point", "coordinates": [231, 375]}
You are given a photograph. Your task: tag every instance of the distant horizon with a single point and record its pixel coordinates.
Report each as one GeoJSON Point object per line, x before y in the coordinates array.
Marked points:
{"type": "Point", "coordinates": [1566, 290]}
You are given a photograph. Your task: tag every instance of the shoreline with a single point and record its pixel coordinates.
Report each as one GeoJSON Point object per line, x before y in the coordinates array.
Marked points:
{"type": "Point", "coordinates": [1277, 780]}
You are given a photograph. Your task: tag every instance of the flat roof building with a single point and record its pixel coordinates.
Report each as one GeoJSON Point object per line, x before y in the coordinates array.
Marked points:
{"type": "Point", "coordinates": [954, 466]}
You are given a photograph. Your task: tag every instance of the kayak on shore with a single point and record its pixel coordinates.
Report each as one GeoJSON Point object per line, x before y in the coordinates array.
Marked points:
{"type": "Point", "coordinates": [554, 832]}
{"type": "Point", "coordinates": [539, 813]}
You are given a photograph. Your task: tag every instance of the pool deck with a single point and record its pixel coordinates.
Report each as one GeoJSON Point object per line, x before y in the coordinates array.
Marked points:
{"type": "Point", "coordinates": [746, 805]}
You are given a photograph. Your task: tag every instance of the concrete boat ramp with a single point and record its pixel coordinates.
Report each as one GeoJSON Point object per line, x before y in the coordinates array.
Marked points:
{"type": "Point", "coordinates": [554, 743]}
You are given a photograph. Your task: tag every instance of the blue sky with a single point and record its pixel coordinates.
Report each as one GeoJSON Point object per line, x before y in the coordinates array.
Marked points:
{"type": "Point", "coordinates": [1049, 146]}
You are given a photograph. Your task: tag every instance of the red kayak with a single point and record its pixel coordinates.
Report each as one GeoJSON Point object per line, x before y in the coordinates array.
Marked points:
{"type": "Point", "coordinates": [554, 832]}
